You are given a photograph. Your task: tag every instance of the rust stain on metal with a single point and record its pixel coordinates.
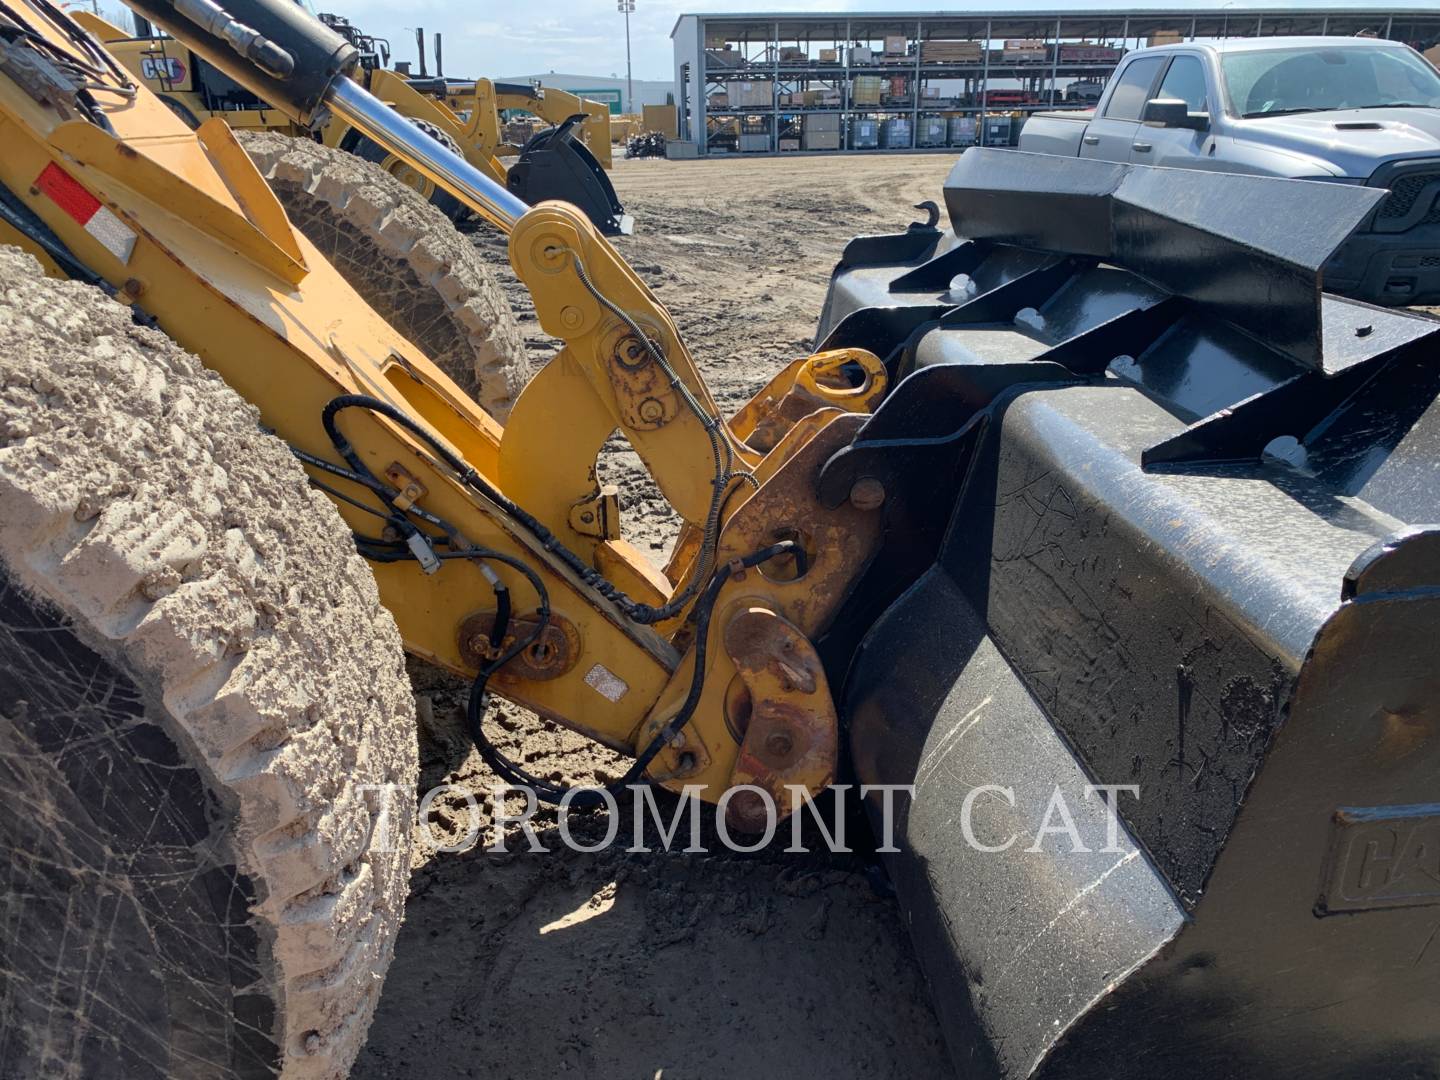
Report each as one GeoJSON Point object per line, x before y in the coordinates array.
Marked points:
{"type": "Point", "coordinates": [850, 379]}
{"type": "Point", "coordinates": [839, 542]}
{"type": "Point", "coordinates": [791, 735]}
{"type": "Point", "coordinates": [548, 657]}
{"type": "Point", "coordinates": [643, 393]}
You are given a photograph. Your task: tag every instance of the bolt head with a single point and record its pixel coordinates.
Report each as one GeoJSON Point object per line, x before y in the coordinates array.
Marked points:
{"type": "Point", "coordinates": [651, 411]}
{"type": "Point", "coordinates": [571, 318]}
{"type": "Point", "coordinates": [779, 743]}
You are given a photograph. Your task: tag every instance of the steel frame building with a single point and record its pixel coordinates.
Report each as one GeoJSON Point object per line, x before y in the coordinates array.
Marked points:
{"type": "Point", "coordinates": [1015, 62]}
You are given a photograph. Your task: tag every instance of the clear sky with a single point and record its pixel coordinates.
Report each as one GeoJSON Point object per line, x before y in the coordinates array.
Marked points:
{"type": "Point", "coordinates": [502, 38]}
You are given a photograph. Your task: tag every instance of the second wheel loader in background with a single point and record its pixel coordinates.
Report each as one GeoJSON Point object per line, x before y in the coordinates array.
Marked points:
{"type": "Point", "coordinates": [566, 160]}
{"type": "Point", "coordinates": [1093, 491]}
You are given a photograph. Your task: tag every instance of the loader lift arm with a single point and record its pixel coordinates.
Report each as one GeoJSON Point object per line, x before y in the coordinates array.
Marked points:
{"type": "Point", "coordinates": [496, 551]}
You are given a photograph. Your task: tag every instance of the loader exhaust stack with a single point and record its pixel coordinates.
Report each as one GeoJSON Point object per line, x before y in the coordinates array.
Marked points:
{"type": "Point", "coordinates": [1162, 519]}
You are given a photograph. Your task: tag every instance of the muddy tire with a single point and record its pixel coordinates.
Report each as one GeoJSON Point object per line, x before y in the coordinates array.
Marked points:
{"type": "Point", "coordinates": [198, 690]}
{"type": "Point", "coordinates": [405, 259]}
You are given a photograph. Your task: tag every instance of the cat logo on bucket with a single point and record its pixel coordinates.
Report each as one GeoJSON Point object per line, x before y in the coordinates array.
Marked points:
{"type": "Point", "coordinates": [163, 68]}
{"type": "Point", "coordinates": [1382, 857]}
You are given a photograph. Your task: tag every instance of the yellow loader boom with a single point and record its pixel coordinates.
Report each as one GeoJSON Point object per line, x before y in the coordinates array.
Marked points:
{"type": "Point", "coordinates": [499, 557]}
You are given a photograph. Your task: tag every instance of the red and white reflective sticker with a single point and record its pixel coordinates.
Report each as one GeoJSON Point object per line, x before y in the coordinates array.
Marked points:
{"type": "Point", "coordinates": [69, 195]}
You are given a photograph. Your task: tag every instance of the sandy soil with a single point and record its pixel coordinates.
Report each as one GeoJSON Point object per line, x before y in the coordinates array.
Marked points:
{"type": "Point", "coordinates": [647, 965]}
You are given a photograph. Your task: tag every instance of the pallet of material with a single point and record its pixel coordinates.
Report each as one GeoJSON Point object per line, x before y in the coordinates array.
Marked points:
{"type": "Point", "coordinates": [962, 130]}
{"type": "Point", "coordinates": [895, 134]}
{"type": "Point", "coordinates": [519, 132]}
{"type": "Point", "coordinates": [1025, 50]}
{"type": "Point", "coordinates": [950, 52]}
{"type": "Point", "coordinates": [1085, 52]}
{"type": "Point", "coordinates": [723, 58]}
{"type": "Point", "coordinates": [750, 94]}
{"type": "Point", "coordinates": [866, 90]}
{"type": "Point", "coordinates": [931, 131]}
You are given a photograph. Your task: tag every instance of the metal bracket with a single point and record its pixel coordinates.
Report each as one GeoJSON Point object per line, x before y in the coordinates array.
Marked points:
{"type": "Point", "coordinates": [598, 517]}
{"type": "Point", "coordinates": [411, 490]}
{"type": "Point", "coordinates": [791, 732]}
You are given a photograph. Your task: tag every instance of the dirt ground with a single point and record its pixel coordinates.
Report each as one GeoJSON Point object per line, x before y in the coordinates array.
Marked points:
{"type": "Point", "coordinates": [670, 965]}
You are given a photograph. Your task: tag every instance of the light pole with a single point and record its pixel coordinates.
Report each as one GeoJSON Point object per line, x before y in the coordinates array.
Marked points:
{"type": "Point", "coordinates": [626, 7]}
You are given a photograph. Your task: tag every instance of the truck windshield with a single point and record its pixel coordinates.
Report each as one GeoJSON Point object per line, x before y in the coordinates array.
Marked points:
{"type": "Point", "coordinates": [1270, 82]}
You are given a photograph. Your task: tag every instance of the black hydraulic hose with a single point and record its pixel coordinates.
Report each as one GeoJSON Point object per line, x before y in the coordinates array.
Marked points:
{"type": "Point", "coordinates": [644, 614]}
{"type": "Point", "coordinates": [714, 431]}
{"type": "Point", "coordinates": [588, 797]}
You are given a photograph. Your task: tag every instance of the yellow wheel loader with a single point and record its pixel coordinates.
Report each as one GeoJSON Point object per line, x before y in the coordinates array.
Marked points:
{"type": "Point", "coordinates": [1092, 541]}
{"type": "Point", "coordinates": [567, 160]}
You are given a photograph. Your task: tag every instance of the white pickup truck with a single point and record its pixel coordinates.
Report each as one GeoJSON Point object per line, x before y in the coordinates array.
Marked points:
{"type": "Point", "coordinates": [1343, 110]}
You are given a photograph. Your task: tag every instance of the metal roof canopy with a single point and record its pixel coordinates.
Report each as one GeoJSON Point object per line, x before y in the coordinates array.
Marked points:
{"type": "Point", "coordinates": [1200, 7]}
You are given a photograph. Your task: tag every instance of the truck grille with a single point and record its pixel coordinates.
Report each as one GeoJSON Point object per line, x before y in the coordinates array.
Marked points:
{"type": "Point", "coordinates": [1405, 191]}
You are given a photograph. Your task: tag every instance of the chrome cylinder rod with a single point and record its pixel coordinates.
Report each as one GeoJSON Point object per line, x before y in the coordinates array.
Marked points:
{"type": "Point", "coordinates": [349, 101]}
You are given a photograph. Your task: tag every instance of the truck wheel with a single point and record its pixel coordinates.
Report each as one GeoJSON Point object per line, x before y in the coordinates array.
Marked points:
{"type": "Point", "coordinates": [405, 259]}
{"type": "Point", "coordinates": [207, 742]}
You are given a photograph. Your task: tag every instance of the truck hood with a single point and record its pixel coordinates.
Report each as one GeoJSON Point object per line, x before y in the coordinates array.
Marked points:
{"type": "Point", "coordinates": [1355, 141]}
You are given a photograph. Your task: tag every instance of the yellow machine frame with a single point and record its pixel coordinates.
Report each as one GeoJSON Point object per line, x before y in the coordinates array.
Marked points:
{"type": "Point", "coordinates": [219, 266]}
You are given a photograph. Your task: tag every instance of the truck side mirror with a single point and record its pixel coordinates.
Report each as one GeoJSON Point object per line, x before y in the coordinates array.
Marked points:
{"type": "Point", "coordinates": [1173, 113]}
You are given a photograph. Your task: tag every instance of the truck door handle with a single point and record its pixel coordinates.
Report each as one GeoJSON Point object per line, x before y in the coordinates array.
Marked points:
{"type": "Point", "coordinates": [1091, 140]}
{"type": "Point", "coordinates": [1142, 147]}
